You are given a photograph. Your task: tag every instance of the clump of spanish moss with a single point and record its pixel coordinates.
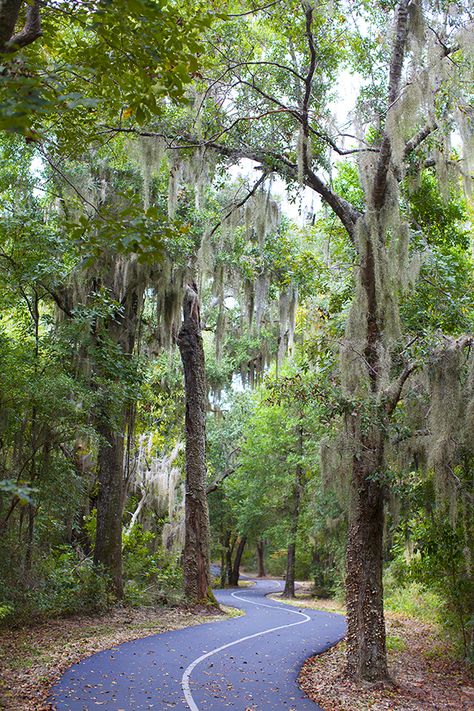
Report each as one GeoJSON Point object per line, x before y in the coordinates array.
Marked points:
{"type": "Point", "coordinates": [156, 479]}
{"type": "Point", "coordinates": [335, 457]}
{"type": "Point", "coordinates": [451, 405]}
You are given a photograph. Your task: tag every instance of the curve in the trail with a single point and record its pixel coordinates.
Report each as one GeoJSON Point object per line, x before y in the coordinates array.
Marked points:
{"type": "Point", "coordinates": [249, 662]}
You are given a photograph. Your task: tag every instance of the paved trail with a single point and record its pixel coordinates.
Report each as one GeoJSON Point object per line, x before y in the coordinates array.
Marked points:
{"type": "Point", "coordinates": [250, 662]}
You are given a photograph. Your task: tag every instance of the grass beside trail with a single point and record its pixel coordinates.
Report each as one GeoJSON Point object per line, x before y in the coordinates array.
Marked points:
{"type": "Point", "coordinates": [33, 658]}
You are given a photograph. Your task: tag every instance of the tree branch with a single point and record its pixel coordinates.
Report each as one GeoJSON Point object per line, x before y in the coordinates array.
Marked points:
{"type": "Point", "coordinates": [393, 393]}
{"type": "Point", "coordinates": [242, 202]}
{"type": "Point", "coordinates": [337, 149]}
{"type": "Point", "coordinates": [419, 137]}
{"type": "Point", "coordinates": [267, 63]}
{"type": "Point", "coordinates": [9, 11]}
{"type": "Point", "coordinates": [396, 67]}
{"type": "Point", "coordinates": [31, 29]}
{"type": "Point", "coordinates": [216, 484]}
{"type": "Point", "coordinates": [272, 161]}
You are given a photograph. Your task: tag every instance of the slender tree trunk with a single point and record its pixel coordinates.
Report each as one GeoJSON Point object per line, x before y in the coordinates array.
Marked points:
{"type": "Point", "coordinates": [29, 544]}
{"type": "Point", "coordinates": [228, 558]}
{"type": "Point", "coordinates": [261, 558]}
{"type": "Point", "coordinates": [224, 558]}
{"type": "Point", "coordinates": [318, 579]}
{"type": "Point", "coordinates": [108, 543]}
{"type": "Point", "coordinates": [34, 434]}
{"type": "Point", "coordinates": [234, 579]}
{"type": "Point", "coordinates": [289, 591]}
{"type": "Point", "coordinates": [222, 575]}
{"type": "Point", "coordinates": [197, 575]}
{"type": "Point", "coordinates": [366, 650]}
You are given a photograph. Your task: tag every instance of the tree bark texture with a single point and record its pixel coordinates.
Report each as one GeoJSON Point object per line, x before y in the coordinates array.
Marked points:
{"type": "Point", "coordinates": [108, 543]}
{"type": "Point", "coordinates": [366, 646]}
{"type": "Point", "coordinates": [9, 15]}
{"type": "Point", "coordinates": [121, 328]}
{"type": "Point", "coordinates": [289, 590]}
{"type": "Point", "coordinates": [235, 571]}
{"type": "Point", "coordinates": [230, 545]}
{"type": "Point", "coordinates": [261, 558]}
{"type": "Point", "coordinates": [197, 576]}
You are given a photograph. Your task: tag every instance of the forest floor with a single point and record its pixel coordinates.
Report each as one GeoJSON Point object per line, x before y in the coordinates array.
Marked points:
{"type": "Point", "coordinates": [32, 658]}
{"type": "Point", "coordinates": [425, 675]}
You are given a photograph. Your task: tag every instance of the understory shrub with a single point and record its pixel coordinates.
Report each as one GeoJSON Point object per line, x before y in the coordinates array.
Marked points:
{"type": "Point", "coordinates": [434, 579]}
{"type": "Point", "coordinates": [151, 574]}
{"type": "Point", "coordinates": [64, 584]}
{"type": "Point", "coordinates": [414, 600]}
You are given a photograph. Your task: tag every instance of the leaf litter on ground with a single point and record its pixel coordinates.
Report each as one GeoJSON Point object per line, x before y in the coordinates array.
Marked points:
{"type": "Point", "coordinates": [425, 676]}
{"type": "Point", "coordinates": [32, 658]}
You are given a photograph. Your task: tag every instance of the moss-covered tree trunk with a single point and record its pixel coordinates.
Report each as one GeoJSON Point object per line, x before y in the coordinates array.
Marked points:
{"type": "Point", "coordinates": [374, 312]}
{"type": "Point", "coordinates": [196, 563]}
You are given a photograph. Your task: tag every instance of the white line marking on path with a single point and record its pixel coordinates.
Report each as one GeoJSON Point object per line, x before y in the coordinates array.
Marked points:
{"type": "Point", "coordinates": [189, 669]}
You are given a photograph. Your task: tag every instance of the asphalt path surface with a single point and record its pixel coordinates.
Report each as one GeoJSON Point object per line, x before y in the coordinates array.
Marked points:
{"type": "Point", "coordinates": [248, 662]}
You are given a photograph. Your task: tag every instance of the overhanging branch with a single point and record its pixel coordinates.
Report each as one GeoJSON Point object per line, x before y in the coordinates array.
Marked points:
{"type": "Point", "coordinates": [31, 30]}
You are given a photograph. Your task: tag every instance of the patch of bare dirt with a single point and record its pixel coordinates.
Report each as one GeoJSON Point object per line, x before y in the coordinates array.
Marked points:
{"type": "Point", "coordinates": [33, 658]}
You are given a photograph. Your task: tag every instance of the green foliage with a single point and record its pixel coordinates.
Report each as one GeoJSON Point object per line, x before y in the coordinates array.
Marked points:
{"type": "Point", "coordinates": [65, 585]}
{"type": "Point", "coordinates": [6, 611]}
{"type": "Point", "coordinates": [443, 297]}
{"type": "Point", "coordinates": [82, 66]}
{"type": "Point", "coordinates": [15, 488]}
{"type": "Point", "coordinates": [72, 217]}
{"type": "Point", "coordinates": [151, 573]}
{"type": "Point", "coordinates": [395, 644]}
{"type": "Point", "coordinates": [412, 599]}
{"type": "Point", "coordinates": [438, 563]}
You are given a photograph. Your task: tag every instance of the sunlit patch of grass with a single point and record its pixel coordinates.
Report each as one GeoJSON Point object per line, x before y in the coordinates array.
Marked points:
{"type": "Point", "coordinates": [395, 644]}
{"type": "Point", "coordinates": [232, 611]}
{"type": "Point", "coordinates": [414, 600]}
{"type": "Point", "coordinates": [435, 651]}
{"type": "Point", "coordinates": [311, 603]}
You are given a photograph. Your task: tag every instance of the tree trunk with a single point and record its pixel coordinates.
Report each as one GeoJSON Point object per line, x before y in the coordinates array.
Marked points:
{"type": "Point", "coordinates": [261, 558]}
{"type": "Point", "coordinates": [225, 559]}
{"type": "Point", "coordinates": [197, 575]}
{"type": "Point", "coordinates": [234, 579]}
{"type": "Point", "coordinates": [108, 542]}
{"type": "Point", "coordinates": [366, 647]}
{"type": "Point", "coordinates": [289, 591]}
{"type": "Point", "coordinates": [366, 650]}
{"type": "Point", "coordinates": [121, 328]}
{"type": "Point", "coordinates": [9, 11]}
{"type": "Point", "coordinates": [29, 544]}
{"type": "Point", "coordinates": [222, 575]}
{"type": "Point", "coordinates": [228, 558]}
